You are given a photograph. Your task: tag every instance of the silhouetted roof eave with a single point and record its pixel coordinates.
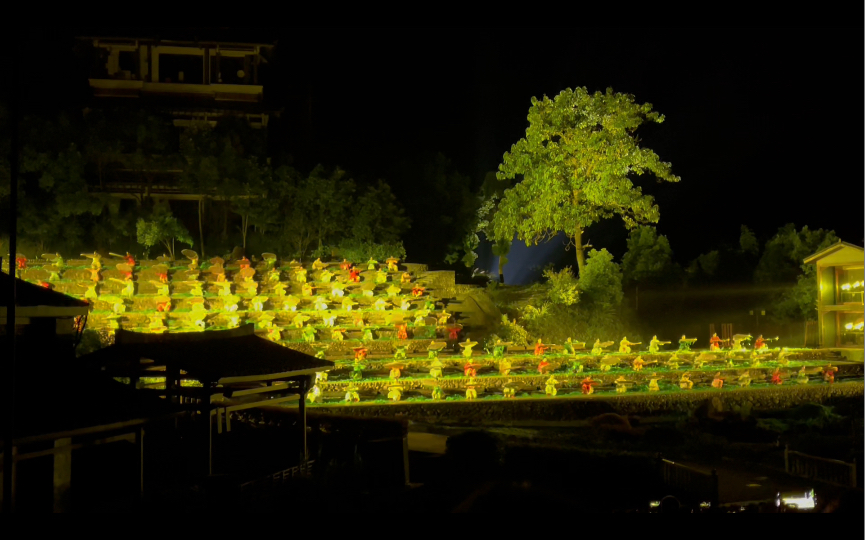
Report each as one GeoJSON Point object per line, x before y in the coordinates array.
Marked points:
{"type": "Point", "coordinates": [35, 301]}
{"type": "Point", "coordinates": [207, 356]}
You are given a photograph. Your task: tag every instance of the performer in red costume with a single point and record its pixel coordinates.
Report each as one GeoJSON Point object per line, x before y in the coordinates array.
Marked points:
{"type": "Point", "coordinates": [715, 343]}
{"type": "Point", "coordinates": [540, 348]}
{"type": "Point", "coordinates": [776, 376]}
{"type": "Point", "coordinates": [760, 344]}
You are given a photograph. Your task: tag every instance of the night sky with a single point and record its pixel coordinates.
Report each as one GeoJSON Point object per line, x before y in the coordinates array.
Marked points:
{"type": "Point", "coordinates": [763, 126]}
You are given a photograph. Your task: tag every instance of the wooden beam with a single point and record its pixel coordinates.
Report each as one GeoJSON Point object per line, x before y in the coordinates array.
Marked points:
{"type": "Point", "coordinates": [130, 437]}
{"type": "Point", "coordinates": [274, 388]}
{"type": "Point", "coordinates": [273, 376]}
{"type": "Point", "coordinates": [116, 426]}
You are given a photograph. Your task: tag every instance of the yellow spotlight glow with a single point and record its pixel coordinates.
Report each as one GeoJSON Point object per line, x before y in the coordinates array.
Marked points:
{"type": "Point", "coordinates": [849, 326]}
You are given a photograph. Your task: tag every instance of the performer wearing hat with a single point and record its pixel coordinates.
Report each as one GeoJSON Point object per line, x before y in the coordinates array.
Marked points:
{"type": "Point", "coordinates": [587, 386]}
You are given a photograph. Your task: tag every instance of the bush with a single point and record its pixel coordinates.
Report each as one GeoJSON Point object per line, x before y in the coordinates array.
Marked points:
{"type": "Point", "coordinates": [563, 286]}
{"type": "Point", "coordinates": [360, 252]}
{"type": "Point", "coordinates": [513, 332]}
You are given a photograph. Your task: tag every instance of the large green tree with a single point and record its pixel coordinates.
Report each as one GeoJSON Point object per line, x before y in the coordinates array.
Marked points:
{"type": "Point", "coordinates": [576, 165]}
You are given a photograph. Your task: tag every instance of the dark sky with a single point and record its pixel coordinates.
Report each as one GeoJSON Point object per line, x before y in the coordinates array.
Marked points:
{"type": "Point", "coordinates": [763, 126]}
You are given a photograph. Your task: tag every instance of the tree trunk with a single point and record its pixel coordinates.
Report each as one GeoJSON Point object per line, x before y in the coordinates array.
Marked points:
{"type": "Point", "coordinates": [581, 254]}
{"type": "Point", "coordinates": [501, 271]}
{"type": "Point", "coordinates": [200, 228]}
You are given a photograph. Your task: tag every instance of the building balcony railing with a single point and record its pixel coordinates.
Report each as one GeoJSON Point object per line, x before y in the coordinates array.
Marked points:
{"type": "Point", "coordinates": [137, 88]}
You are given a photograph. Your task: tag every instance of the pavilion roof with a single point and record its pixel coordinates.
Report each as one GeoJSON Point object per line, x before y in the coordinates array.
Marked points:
{"type": "Point", "coordinates": [34, 301]}
{"type": "Point", "coordinates": [228, 356]}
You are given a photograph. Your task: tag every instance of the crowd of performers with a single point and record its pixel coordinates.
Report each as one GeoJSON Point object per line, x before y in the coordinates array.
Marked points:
{"type": "Point", "coordinates": [547, 365]}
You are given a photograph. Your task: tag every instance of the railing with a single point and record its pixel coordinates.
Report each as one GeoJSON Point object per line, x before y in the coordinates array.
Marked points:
{"type": "Point", "coordinates": [690, 482]}
{"type": "Point", "coordinates": [257, 488]}
{"type": "Point", "coordinates": [831, 471]}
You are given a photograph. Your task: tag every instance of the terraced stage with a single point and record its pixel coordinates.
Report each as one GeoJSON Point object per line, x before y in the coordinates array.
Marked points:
{"type": "Point", "coordinates": [394, 343]}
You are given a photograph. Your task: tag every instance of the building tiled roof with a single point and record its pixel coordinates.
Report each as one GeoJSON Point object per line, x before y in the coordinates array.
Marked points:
{"type": "Point", "coordinates": [30, 295]}
{"type": "Point", "coordinates": [213, 355]}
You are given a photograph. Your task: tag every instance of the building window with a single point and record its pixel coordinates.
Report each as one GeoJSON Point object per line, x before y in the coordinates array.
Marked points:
{"type": "Point", "coordinates": [127, 65]}
{"type": "Point", "coordinates": [181, 68]}
{"type": "Point", "coordinates": [851, 329]}
{"type": "Point", "coordinates": [851, 284]}
{"type": "Point", "coordinates": [231, 70]}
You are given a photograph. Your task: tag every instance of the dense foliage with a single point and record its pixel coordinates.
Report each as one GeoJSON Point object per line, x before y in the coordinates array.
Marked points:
{"type": "Point", "coordinates": [69, 164]}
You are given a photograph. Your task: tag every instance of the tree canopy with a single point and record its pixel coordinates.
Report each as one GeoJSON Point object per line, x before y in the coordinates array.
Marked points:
{"type": "Point", "coordinates": [576, 165]}
{"type": "Point", "coordinates": [783, 254]}
{"type": "Point", "coordinates": [649, 258]}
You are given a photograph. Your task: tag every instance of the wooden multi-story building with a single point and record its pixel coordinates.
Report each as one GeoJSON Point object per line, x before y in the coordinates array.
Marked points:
{"type": "Point", "coordinates": [184, 80]}
{"type": "Point", "coordinates": [841, 284]}
{"type": "Point", "coordinates": [191, 80]}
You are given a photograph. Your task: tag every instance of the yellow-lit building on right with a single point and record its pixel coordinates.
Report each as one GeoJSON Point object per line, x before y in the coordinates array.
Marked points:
{"type": "Point", "coordinates": [841, 283]}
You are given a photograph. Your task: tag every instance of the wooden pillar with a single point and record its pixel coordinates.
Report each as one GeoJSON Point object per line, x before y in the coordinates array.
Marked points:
{"type": "Point", "coordinates": [14, 473]}
{"type": "Point", "coordinates": [154, 64]}
{"type": "Point", "coordinates": [301, 409]}
{"type": "Point", "coordinates": [62, 474]}
{"type": "Point", "coordinates": [206, 60]}
{"type": "Point", "coordinates": [405, 458]}
{"type": "Point", "coordinates": [172, 383]}
{"type": "Point", "coordinates": [208, 429]}
{"type": "Point", "coordinates": [139, 442]}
